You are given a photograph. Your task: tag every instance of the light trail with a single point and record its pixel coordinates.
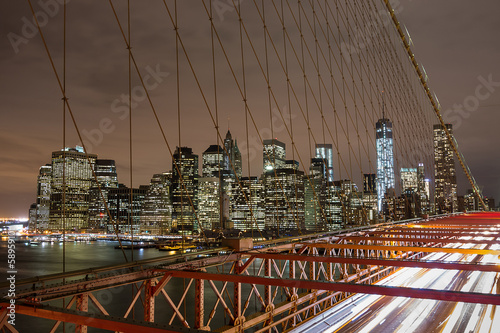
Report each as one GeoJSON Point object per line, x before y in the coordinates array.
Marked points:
{"type": "Point", "coordinates": [372, 313]}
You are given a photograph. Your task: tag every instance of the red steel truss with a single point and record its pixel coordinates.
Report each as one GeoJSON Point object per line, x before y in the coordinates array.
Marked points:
{"type": "Point", "coordinates": [273, 288]}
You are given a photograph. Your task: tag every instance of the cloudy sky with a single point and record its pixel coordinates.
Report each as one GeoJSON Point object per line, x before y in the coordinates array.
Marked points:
{"type": "Point", "coordinates": [455, 40]}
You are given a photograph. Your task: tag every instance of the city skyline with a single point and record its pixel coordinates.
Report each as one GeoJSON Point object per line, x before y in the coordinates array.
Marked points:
{"type": "Point", "coordinates": [32, 126]}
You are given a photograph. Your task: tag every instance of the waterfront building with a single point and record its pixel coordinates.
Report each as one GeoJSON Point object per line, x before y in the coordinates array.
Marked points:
{"type": "Point", "coordinates": [284, 197]}
{"type": "Point", "coordinates": [184, 188]}
{"type": "Point", "coordinates": [209, 203]}
{"type": "Point", "coordinates": [71, 180]}
{"type": "Point", "coordinates": [274, 155]}
{"type": "Point", "coordinates": [409, 180]}
{"type": "Point", "coordinates": [232, 156]}
{"type": "Point", "coordinates": [333, 206]}
{"type": "Point", "coordinates": [212, 161]}
{"type": "Point", "coordinates": [156, 214]}
{"type": "Point", "coordinates": [105, 172]}
{"type": "Point", "coordinates": [385, 159]}
{"type": "Point", "coordinates": [445, 194]}
{"type": "Point", "coordinates": [125, 207]}
{"type": "Point", "coordinates": [325, 153]}
{"type": "Point", "coordinates": [44, 189]}
{"type": "Point", "coordinates": [32, 217]}
{"type": "Point", "coordinates": [315, 196]}
{"type": "Point", "coordinates": [370, 195]}
{"type": "Point", "coordinates": [247, 204]}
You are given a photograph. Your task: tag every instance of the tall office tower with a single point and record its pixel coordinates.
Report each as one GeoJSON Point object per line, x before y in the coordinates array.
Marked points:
{"type": "Point", "coordinates": [232, 156]}
{"type": "Point", "coordinates": [284, 197]}
{"type": "Point", "coordinates": [333, 206]}
{"type": "Point", "coordinates": [409, 180]}
{"type": "Point", "coordinates": [125, 206]}
{"type": "Point", "coordinates": [209, 203]}
{"type": "Point", "coordinates": [445, 195]}
{"type": "Point", "coordinates": [325, 152]}
{"type": "Point", "coordinates": [105, 171]}
{"type": "Point", "coordinates": [420, 178]}
{"type": "Point", "coordinates": [156, 214]}
{"type": "Point", "coordinates": [212, 161]}
{"type": "Point", "coordinates": [274, 155]}
{"type": "Point", "coordinates": [370, 195]}
{"type": "Point", "coordinates": [315, 196]}
{"type": "Point", "coordinates": [184, 188]}
{"type": "Point", "coordinates": [369, 183]}
{"type": "Point", "coordinates": [71, 180]}
{"type": "Point", "coordinates": [43, 191]}
{"type": "Point", "coordinates": [423, 189]}
{"type": "Point", "coordinates": [247, 204]}
{"type": "Point", "coordinates": [32, 217]}
{"type": "Point", "coordinates": [385, 159]}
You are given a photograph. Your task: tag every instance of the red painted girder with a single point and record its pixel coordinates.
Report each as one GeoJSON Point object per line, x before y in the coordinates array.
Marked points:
{"type": "Point", "coordinates": [454, 226]}
{"type": "Point", "coordinates": [448, 229]}
{"type": "Point", "coordinates": [403, 248]}
{"type": "Point", "coordinates": [94, 320]}
{"type": "Point", "coordinates": [381, 262]}
{"type": "Point", "coordinates": [421, 240]}
{"type": "Point", "coordinates": [430, 233]}
{"type": "Point", "coordinates": [453, 296]}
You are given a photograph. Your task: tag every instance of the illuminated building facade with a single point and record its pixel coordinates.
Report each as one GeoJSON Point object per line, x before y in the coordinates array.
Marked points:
{"type": "Point", "coordinates": [105, 171]}
{"type": "Point", "coordinates": [385, 159]}
{"type": "Point", "coordinates": [125, 206]}
{"type": "Point", "coordinates": [71, 180]}
{"type": "Point", "coordinates": [44, 189]}
{"type": "Point", "coordinates": [370, 195]}
{"type": "Point", "coordinates": [232, 156]}
{"type": "Point", "coordinates": [445, 194]}
{"type": "Point", "coordinates": [325, 153]}
{"type": "Point", "coordinates": [212, 161]}
{"type": "Point", "coordinates": [274, 155]}
{"type": "Point", "coordinates": [209, 202]}
{"type": "Point", "coordinates": [156, 214]}
{"type": "Point", "coordinates": [409, 180]}
{"type": "Point", "coordinates": [247, 204]}
{"type": "Point", "coordinates": [284, 197]}
{"type": "Point", "coordinates": [184, 187]}
{"type": "Point", "coordinates": [315, 196]}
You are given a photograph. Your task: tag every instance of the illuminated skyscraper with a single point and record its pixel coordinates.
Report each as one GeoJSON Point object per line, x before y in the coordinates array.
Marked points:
{"type": "Point", "coordinates": [315, 195]}
{"type": "Point", "coordinates": [71, 180]}
{"type": "Point", "coordinates": [445, 195]}
{"type": "Point", "coordinates": [209, 205]}
{"type": "Point", "coordinates": [247, 204]}
{"type": "Point", "coordinates": [385, 159]}
{"type": "Point", "coordinates": [125, 213]}
{"type": "Point", "coordinates": [284, 197]}
{"type": "Point", "coordinates": [409, 180]}
{"type": "Point", "coordinates": [156, 214]}
{"type": "Point", "coordinates": [44, 189]}
{"type": "Point", "coordinates": [212, 161]}
{"type": "Point", "coordinates": [274, 155]}
{"type": "Point", "coordinates": [105, 171]}
{"type": "Point", "coordinates": [184, 188]}
{"type": "Point", "coordinates": [325, 153]}
{"type": "Point", "coordinates": [232, 156]}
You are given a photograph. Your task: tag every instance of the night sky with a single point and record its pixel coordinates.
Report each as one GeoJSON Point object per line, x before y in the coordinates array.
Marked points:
{"type": "Point", "coordinates": [455, 40]}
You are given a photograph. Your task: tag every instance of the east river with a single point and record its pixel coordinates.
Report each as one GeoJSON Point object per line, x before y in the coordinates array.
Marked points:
{"type": "Point", "coordinates": [47, 258]}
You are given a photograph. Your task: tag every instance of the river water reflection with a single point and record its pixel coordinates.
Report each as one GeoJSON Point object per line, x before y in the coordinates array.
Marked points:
{"type": "Point", "coordinates": [47, 258]}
